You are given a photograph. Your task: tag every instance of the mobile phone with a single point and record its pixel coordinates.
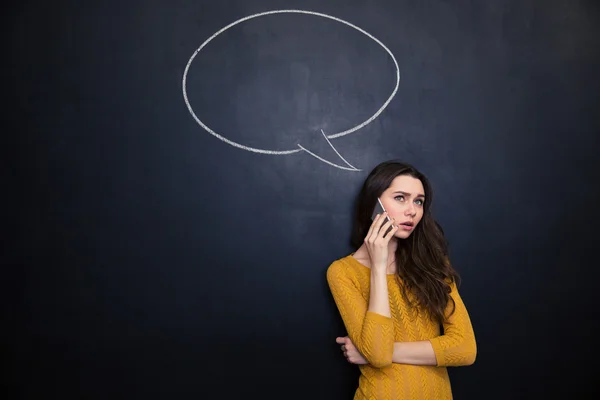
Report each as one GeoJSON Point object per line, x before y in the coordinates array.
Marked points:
{"type": "Point", "coordinates": [379, 209]}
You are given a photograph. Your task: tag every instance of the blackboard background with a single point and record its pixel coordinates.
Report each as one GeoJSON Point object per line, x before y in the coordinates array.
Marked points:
{"type": "Point", "coordinates": [148, 259]}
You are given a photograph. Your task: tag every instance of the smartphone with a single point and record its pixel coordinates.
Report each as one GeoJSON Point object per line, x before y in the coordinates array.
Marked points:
{"type": "Point", "coordinates": [379, 209]}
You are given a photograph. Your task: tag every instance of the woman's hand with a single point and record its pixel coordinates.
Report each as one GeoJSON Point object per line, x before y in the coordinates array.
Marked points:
{"type": "Point", "coordinates": [350, 351]}
{"type": "Point", "coordinates": [377, 243]}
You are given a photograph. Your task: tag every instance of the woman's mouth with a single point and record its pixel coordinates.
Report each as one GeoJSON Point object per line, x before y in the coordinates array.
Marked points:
{"type": "Point", "coordinates": [407, 226]}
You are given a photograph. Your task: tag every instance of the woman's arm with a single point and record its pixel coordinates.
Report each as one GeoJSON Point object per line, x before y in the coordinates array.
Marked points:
{"type": "Point", "coordinates": [376, 244]}
{"type": "Point", "coordinates": [457, 346]}
{"type": "Point", "coordinates": [369, 324]}
{"type": "Point", "coordinates": [371, 333]}
{"type": "Point", "coordinates": [415, 353]}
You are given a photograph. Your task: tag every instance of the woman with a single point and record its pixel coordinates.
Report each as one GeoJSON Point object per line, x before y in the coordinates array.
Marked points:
{"type": "Point", "coordinates": [397, 291]}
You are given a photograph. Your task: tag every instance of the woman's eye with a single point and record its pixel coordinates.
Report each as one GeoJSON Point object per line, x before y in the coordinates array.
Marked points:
{"type": "Point", "coordinates": [401, 198]}
{"type": "Point", "coordinates": [419, 202]}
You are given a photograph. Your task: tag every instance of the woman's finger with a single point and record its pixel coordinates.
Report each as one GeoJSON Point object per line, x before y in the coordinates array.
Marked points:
{"type": "Point", "coordinates": [382, 221]}
{"type": "Point", "coordinates": [372, 227]}
{"type": "Point", "coordinates": [384, 227]}
{"type": "Point", "coordinates": [375, 229]}
{"type": "Point", "coordinates": [389, 234]}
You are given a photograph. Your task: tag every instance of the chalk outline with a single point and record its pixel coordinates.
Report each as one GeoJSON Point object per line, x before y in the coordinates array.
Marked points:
{"type": "Point", "coordinates": [327, 137]}
{"type": "Point", "coordinates": [352, 167]}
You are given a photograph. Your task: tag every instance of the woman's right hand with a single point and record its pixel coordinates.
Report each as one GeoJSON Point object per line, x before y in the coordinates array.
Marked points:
{"type": "Point", "coordinates": [377, 243]}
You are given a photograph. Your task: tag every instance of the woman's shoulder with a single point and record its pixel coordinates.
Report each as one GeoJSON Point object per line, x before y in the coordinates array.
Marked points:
{"type": "Point", "coordinates": [344, 268]}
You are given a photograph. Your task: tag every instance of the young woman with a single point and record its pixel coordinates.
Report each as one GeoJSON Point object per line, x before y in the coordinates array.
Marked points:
{"type": "Point", "coordinates": [398, 290]}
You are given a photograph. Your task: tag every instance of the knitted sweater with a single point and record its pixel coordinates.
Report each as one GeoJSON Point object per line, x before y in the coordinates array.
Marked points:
{"type": "Point", "coordinates": [374, 336]}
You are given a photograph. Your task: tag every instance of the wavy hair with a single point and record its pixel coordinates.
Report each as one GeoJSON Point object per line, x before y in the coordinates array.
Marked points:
{"type": "Point", "coordinates": [422, 259]}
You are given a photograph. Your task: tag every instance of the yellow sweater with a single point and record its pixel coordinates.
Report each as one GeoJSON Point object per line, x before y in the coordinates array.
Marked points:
{"type": "Point", "coordinates": [374, 336]}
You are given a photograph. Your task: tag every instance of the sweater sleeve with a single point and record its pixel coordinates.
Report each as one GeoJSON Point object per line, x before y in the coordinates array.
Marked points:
{"type": "Point", "coordinates": [371, 333]}
{"type": "Point", "coordinates": [457, 346]}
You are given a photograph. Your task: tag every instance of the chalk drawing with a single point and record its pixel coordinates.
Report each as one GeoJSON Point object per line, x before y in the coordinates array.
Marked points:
{"type": "Point", "coordinates": [300, 147]}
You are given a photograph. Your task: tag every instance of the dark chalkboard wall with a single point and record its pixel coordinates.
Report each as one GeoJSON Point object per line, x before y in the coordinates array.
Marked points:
{"type": "Point", "coordinates": [150, 260]}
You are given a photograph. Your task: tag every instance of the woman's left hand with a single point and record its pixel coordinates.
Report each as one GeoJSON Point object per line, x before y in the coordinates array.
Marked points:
{"type": "Point", "coordinates": [350, 351]}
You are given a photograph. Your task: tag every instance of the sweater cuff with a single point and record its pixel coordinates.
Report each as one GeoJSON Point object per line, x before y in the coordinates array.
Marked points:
{"type": "Point", "coordinates": [380, 319]}
{"type": "Point", "coordinates": [438, 350]}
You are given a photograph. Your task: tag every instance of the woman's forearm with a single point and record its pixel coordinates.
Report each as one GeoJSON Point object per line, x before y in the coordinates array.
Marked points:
{"type": "Point", "coordinates": [378, 297]}
{"type": "Point", "coordinates": [415, 353]}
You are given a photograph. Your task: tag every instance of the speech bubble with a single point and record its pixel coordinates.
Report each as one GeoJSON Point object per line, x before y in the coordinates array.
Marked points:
{"type": "Point", "coordinates": [326, 137]}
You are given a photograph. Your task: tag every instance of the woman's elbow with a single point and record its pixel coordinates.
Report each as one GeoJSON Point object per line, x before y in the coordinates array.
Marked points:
{"type": "Point", "coordinates": [470, 355]}
{"type": "Point", "coordinates": [469, 358]}
{"type": "Point", "coordinates": [462, 354]}
{"type": "Point", "coordinates": [381, 358]}
{"type": "Point", "coordinates": [380, 361]}
{"type": "Point", "coordinates": [378, 353]}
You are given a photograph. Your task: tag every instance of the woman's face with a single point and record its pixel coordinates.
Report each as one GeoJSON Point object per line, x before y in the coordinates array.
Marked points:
{"type": "Point", "coordinates": [404, 201]}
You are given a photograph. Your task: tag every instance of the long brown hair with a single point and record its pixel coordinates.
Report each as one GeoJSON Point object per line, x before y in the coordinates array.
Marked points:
{"type": "Point", "coordinates": [422, 259]}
